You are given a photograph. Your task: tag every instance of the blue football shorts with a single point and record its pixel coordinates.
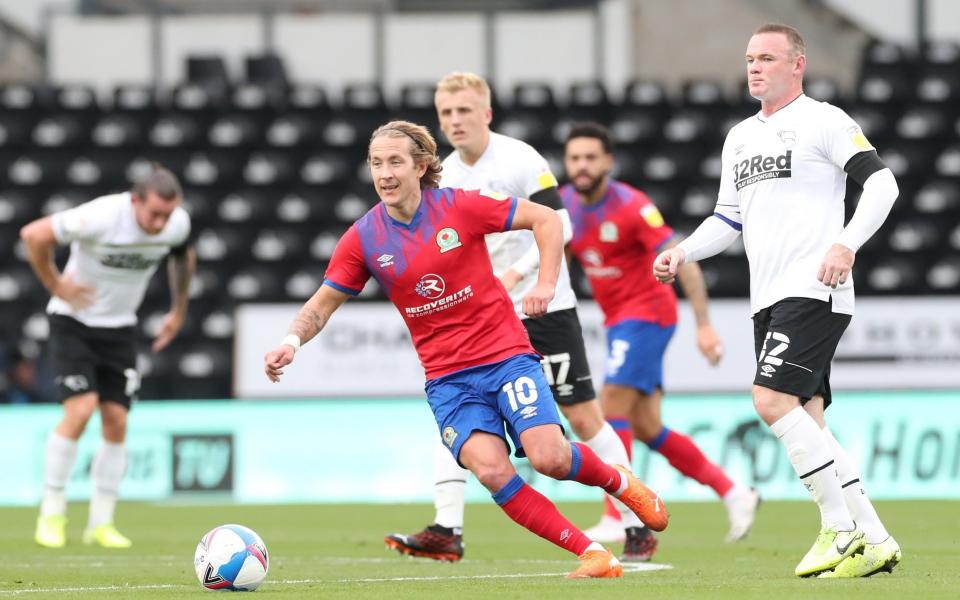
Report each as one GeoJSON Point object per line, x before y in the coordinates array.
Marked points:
{"type": "Point", "coordinates": [512, 393]}
{"type": "Point", "coordinates": [635, 352]}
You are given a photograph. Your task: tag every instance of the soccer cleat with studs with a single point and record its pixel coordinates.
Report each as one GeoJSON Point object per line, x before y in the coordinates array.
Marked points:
{"type": "Point", "coordinates": [643, 501]}
{"type": "Point", "coordinates": [435, 541]}
{"type": "Point", "coordinates": [829, 550]}
{"type": "Point", "coordinates": [639, 546]}
{"type": "Point", "coordinates": [51, 532]}
{"type": "Point", "coordinates": [106, 536]}
{"type": "Point", "coordinates": [597, 564]}
{"type": "Point", "coordinates": [873, 559]}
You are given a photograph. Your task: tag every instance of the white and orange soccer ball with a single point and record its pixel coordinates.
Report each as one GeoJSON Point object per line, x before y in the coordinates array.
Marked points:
{"type": "Point", "coordinates": [231, 558]}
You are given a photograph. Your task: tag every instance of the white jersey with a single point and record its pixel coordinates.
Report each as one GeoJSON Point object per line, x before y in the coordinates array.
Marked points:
{"type": "Point", "coordinates": [109, 252]}
{"type": "Point", "coordinates": [783, 182]}
{"type": "Point", "coordinates": [513, 167]}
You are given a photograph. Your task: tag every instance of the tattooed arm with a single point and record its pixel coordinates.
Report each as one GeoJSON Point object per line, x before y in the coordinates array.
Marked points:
{"type": "Point", "coordinates": [308, 323]}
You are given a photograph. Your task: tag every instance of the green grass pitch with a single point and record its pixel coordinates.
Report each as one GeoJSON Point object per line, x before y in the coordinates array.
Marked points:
{"type": "Point", "coordinates": [336, 551]}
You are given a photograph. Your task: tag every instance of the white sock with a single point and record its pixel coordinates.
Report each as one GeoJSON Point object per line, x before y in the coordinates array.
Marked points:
{"type": "Point", "coordinates": [811, 458]}
{"type": "Point", "coordinates": [857, 501]}
{"type": "Point", "coordinates": [60, 456]}
{"type": "Point", "coordinates": [609, 448]}
{"type": "Point", "coordinates": [451, 484]}
{"type": "Point", "coordinates": [734, 493]}
{"type": "Point", "coordinates": [106, 471]}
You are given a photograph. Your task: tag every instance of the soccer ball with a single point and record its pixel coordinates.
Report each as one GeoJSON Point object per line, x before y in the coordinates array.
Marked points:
{"type": "Point", "coordinates": [231, 557]}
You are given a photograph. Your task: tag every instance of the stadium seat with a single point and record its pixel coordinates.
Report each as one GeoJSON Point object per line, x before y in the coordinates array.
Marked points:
{"type": "Point", "coordinates": [915, 235]}
{"type": "Point", "coordinates": [206, 73]}
{"type": "Point", "coordinates": [269, 169]}
{"type": "Point", "coordinates": [944, 275]}
{"type": "Point", "coordinates": [416, 104]}
{"type": "Point", "coordinates": [947, 163]}
{"type": "Point", "coordinates": [176, 130]}
{"type": "Point", "coordinates": [823, 89]}
{"type": "Point", "coordinates": [118, 131]}
{"type": "Point", "coordinates": [304, 282]}
{"type": "Point", "coordinates": [938, 197]}
{"type": "Point", "coordinates": [236, 130]}
{"type": "Point", "coordinates": [896, 275]}
{"type": "Point", "coordinates": [212, 168]}
{"type": "Point", "coordinates": [255, 284]}
{"type": "Point", "coordinates": [294, 130]}
{"type": "Point", "coordinates": [588, 101]}
{"type": "Point", "coordinates": [266, 70]}
{"type": "Point", "coordinates": [311, 206]}
{"type": "Point", "coordinates": [277, 245]}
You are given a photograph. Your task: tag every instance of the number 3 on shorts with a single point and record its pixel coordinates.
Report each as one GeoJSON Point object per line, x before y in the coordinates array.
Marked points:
{"type": "Point", "coordinates": [521, 392]}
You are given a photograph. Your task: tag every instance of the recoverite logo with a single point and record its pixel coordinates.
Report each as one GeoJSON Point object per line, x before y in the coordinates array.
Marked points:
{"type": "Point", "coordinates": [432, 287]}
{"type": "Point", "coordinates": [760, 167]}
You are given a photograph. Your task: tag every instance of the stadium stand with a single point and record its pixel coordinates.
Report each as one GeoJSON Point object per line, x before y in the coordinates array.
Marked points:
{"type": "Point", "coordinates": [274, 172]}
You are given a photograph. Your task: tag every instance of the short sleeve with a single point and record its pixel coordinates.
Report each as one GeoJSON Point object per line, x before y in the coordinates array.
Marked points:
{"type": "Point", "coordinates": [87, 222]}
{"type": "Point", "coordinates": [485, 211]}
{"type": "Point", "coordinates": [184, 235]}
{"type": "Point", "coordinates": [842, 137]}
{"type": "Point", "coordinates": [533, 171]}
{"type": "Point", "coordinates": [652, 230]}
{"type": "Point", "coordinates": [347, 270]}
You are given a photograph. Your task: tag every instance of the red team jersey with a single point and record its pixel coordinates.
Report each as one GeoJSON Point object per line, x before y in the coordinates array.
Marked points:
{"type": "Point", "coordinates": [616, 241]}
{"type": "Point", "coordinates": [436, 270]}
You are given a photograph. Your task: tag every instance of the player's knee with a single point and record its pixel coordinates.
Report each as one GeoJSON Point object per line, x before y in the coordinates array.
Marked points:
{"type": "Point", "coordinates": [647, 430]}
{"type": "Point", "coordinates": [771, 405]}
{"type": "Point", "coordinates": [551, 460]}
{"type": "Point", "coordinates": [492, 472]}
{"type": "Point", "coordinates": [78, 410]}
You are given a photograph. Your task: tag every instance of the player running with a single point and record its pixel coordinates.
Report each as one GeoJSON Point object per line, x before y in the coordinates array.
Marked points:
{"type": "Point", "coordinates": [616, 228]}
{"type": "Point", "coordinates": [484, 159]}
{"type": "Point", "coordinates": [783, 185]}
{"type": "Point", "coordinates": [425, 246]}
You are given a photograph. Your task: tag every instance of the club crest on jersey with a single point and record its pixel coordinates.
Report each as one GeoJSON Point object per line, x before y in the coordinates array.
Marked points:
{"type": "Point", "coordinates": [609, 232]}
{"type": "Point", "coordinates": [859, 140]}
{"type": "Point", "coordinates": [760, 168]}
{"type": "Point", "coordinates": [449, 436]}
{"type": "Point", "coordinates": [385, 260]}
{"type": "Point", "coordinates": [448, 239]}
{"type": "Point", "coordinates": [788, 137]}
{"type": "Point", "coordinates": [430, 286]}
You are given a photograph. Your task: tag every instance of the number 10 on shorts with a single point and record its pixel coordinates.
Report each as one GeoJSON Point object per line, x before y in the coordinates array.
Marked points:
{"type": "Point", "coordinates": [521, 392]}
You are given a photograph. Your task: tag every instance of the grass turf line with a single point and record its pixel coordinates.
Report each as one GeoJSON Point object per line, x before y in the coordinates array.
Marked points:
{"type": "Point", "coordinates": [336, 551]}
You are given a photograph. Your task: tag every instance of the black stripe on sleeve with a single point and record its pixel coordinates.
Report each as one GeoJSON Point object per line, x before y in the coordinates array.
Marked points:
{"type": "Point", "coordinates": [549, 197]}
{"type": "Point", "coordinates": [862, 165]}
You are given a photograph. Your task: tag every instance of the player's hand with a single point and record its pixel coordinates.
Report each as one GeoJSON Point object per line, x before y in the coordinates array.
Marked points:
{"type": "Point", "coordinates": [536, 301]}
{"type": "Point", "coordinates": [666, 264]}
{"type": "Point", "coordinates": [510, 278]}
{"type": "Point", "coordinates": [709, 343]}
{"type": "Point", "coordinates": [169, 328]}
{"type": "Point", "coordinates": [276, 359]}
{"type": "Point", "coordinates": [836, 266]}
{"type": "Point", "coordinates": [76, 294]}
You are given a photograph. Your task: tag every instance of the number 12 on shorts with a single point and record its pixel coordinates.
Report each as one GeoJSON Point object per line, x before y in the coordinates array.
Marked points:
{"type": "Point", "coordinates": [771, 356]}
{"type": "Point", "coordinates": [521, 392]}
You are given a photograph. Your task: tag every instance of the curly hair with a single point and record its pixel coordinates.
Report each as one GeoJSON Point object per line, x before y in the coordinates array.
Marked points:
{"type": "Point", "coordinates": [423, 148]}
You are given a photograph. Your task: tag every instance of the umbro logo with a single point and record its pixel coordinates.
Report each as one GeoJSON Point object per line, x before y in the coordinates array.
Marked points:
{"type": "Point", "coordinates": [528, 412]}
{"type": "Point", "coordinates": [385, 260]}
